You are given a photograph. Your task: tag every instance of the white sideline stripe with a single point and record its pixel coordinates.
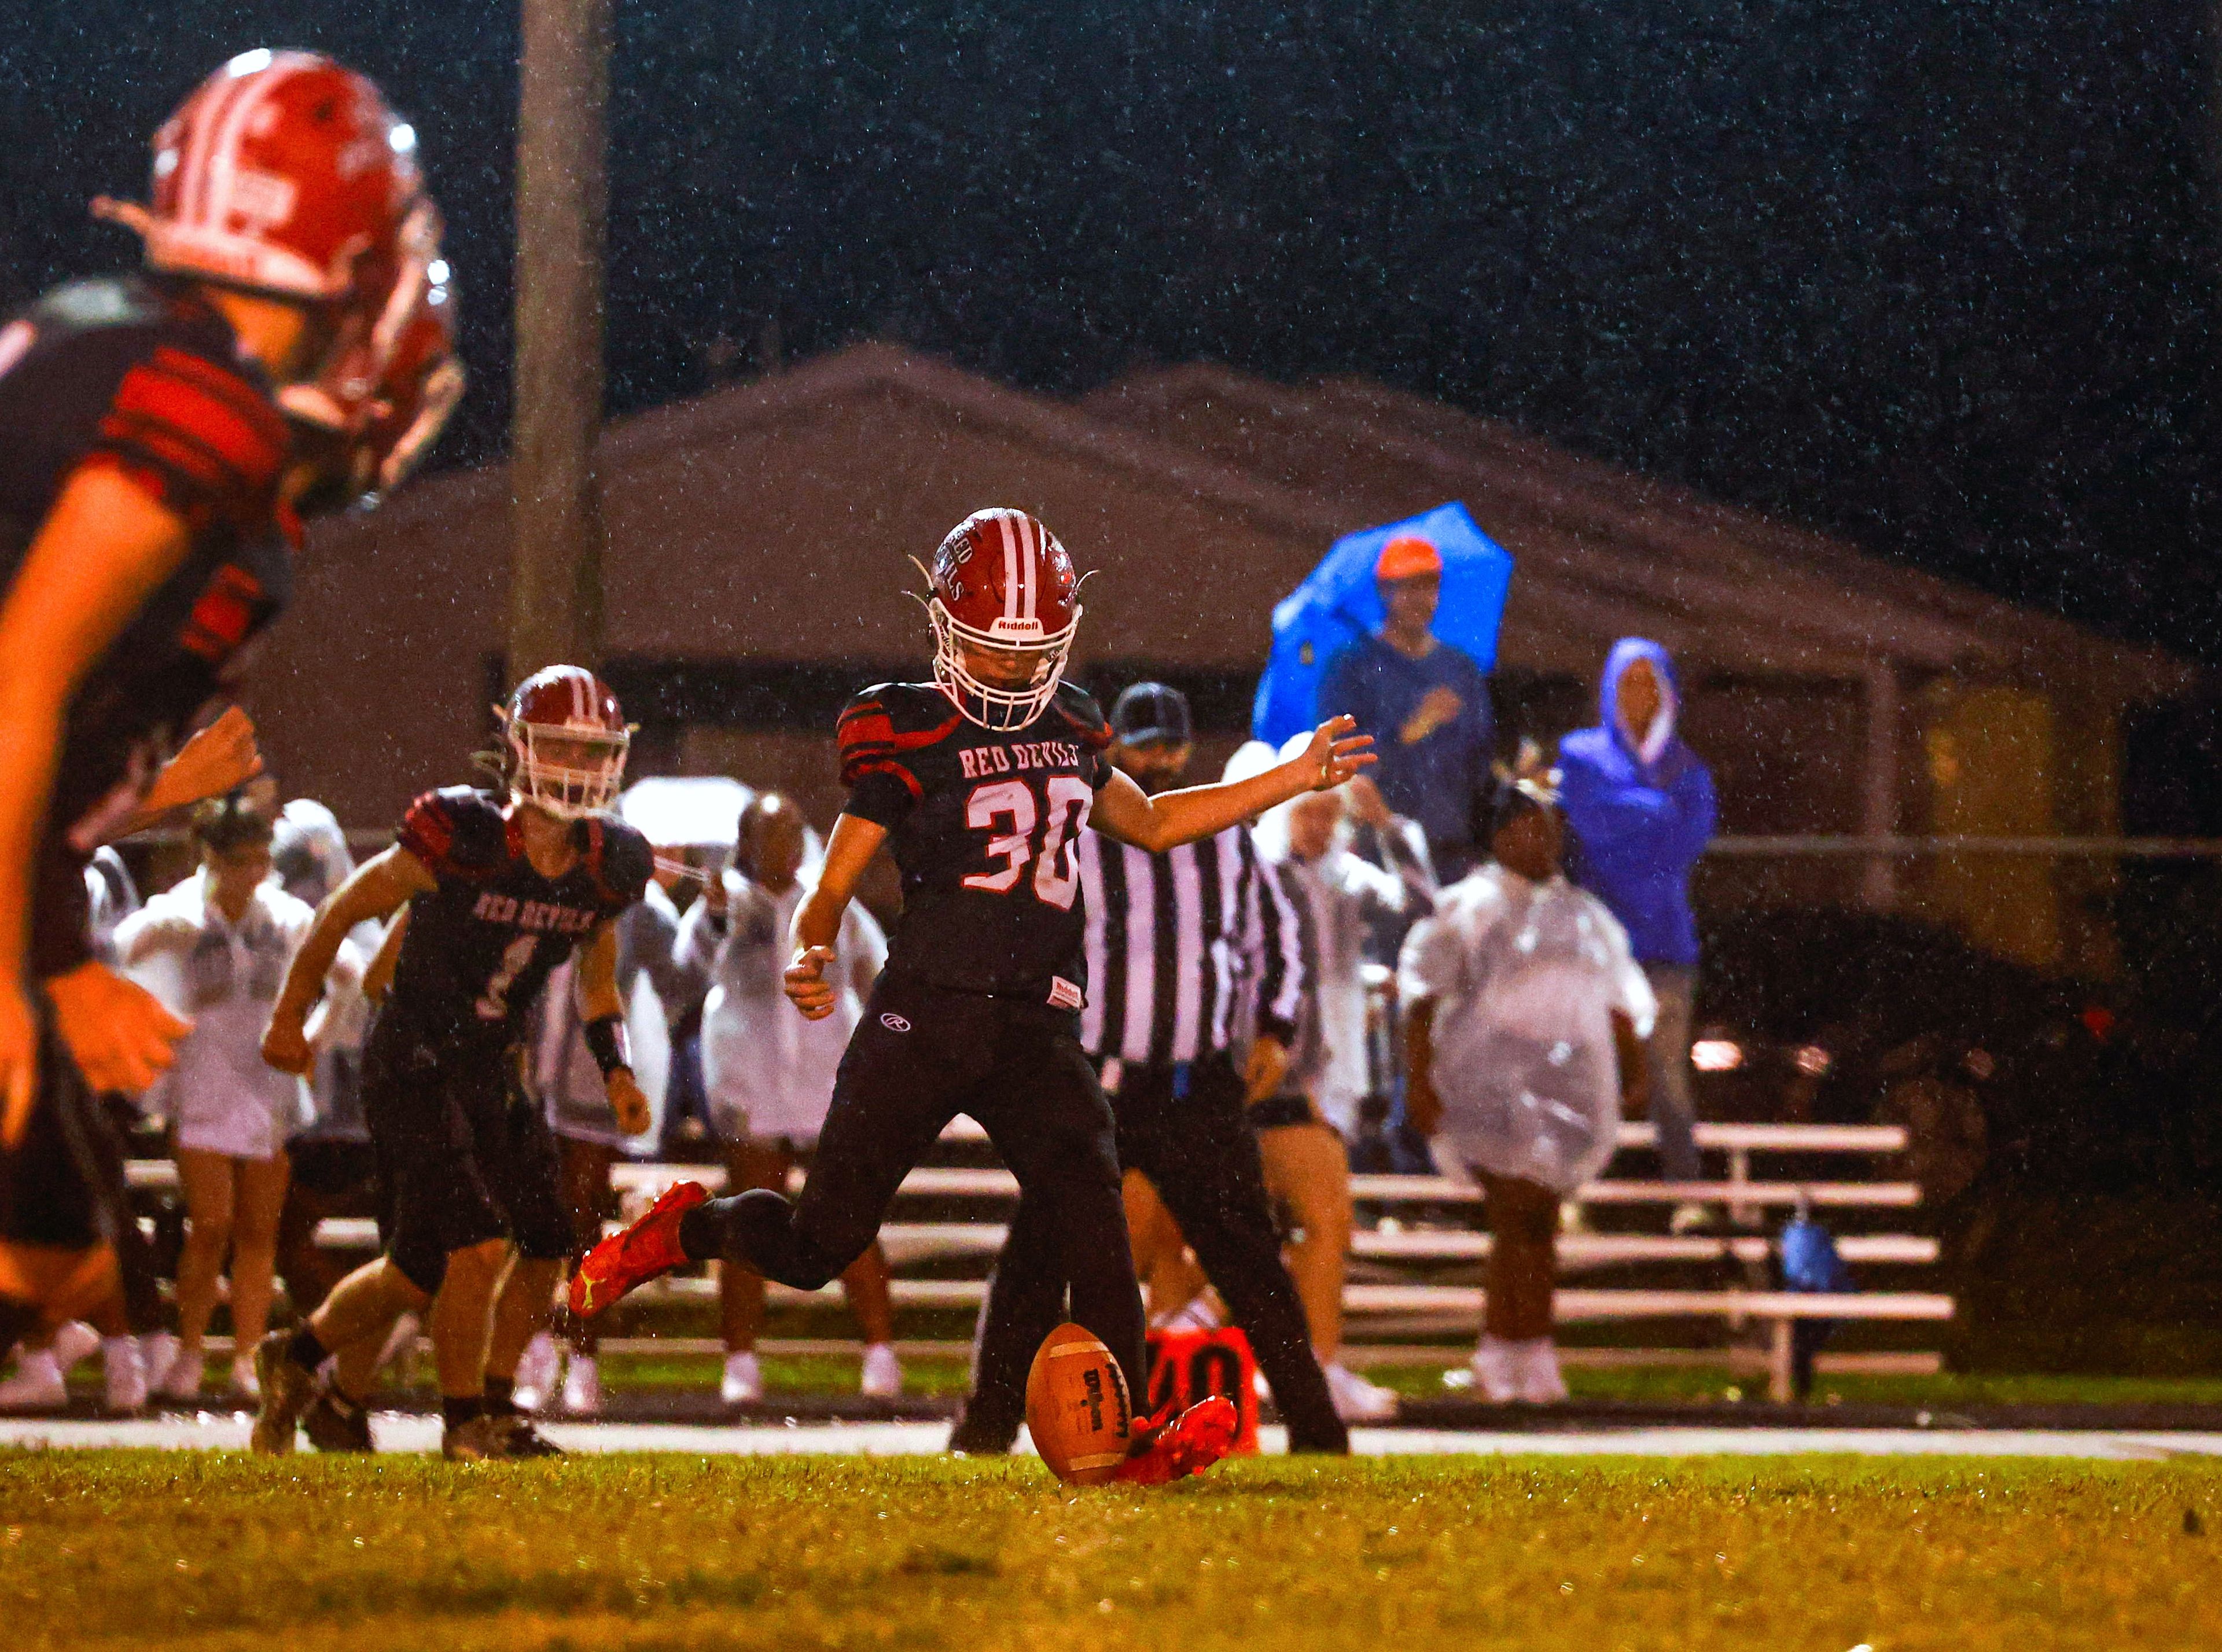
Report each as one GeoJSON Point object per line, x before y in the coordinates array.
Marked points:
{"type": "Point", "coordinates": [395, 1432]}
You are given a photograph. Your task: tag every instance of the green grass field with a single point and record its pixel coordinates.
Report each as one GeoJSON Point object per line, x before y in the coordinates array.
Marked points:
{"type": "Point", "coordinates": [189, 1550]}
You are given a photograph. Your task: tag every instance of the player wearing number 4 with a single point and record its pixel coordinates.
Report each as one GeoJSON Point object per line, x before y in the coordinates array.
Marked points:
{"type": "Point", "coordinates": [980, 781]}
{"type": "Point", "coordinates": [500, 891]}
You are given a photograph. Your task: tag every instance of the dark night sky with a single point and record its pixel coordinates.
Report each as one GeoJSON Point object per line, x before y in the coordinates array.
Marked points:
{"type": "Point", "coordinates": [1933, 274]}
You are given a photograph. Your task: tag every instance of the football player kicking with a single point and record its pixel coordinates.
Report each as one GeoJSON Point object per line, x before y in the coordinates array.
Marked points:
{"type": "Point", "coordinates": [499, 890]}
{"type": "Point", "coordinates": [147, 485]}
{"type": "Point", "coordinates": [982, 779]}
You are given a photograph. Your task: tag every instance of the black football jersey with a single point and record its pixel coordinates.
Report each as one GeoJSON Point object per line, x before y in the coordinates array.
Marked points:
{"type": "Point", "coordinates": [136, 376]}
{"type": "Point", "coordinates": [480, 946]}
{"type": "Point", "coordinates": [983, 826]}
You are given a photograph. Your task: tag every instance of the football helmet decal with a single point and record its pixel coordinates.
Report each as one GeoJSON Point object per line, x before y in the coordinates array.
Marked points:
{"type": "Point", "coordinates": [567, 741]}
{"type": "Point", "coordinates": [1004, 601]}
{"type": "Point", "coordinates": [280, 172]}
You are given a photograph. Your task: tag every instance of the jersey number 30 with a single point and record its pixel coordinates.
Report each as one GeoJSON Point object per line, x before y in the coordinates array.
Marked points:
{"type": "Point", "coordinates": [1006, 809]}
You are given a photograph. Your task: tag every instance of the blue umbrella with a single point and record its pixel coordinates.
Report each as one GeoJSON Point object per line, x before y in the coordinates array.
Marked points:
{"type": "Point", "coordinates": [1339, 603]}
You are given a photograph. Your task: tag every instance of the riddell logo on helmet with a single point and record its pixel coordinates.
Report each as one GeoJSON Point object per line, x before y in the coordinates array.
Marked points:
{"type": "Point", "coordinates": [263, 198]}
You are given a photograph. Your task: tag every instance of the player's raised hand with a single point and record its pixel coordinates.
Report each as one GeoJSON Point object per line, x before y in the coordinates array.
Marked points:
{"type": "Point", "coordinates": [286, 1043]}
{"type": "Point", "coordinates": [808, 988]}
{"type": "Point", "coordinates": [220, 758]}
{"type": "Point", "coordinates": [116, 1032]}
{"type": "Point", "coordinates": [1337, 751]}
{"type": "Point", "coordinates": [628, 1101]}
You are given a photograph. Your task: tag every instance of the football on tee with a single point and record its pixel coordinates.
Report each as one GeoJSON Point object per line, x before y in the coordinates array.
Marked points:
{"type": "Point", "coordinates": [1076, 1407]}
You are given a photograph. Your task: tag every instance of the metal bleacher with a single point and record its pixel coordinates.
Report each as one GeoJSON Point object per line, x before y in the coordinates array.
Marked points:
{"type": "Point", "coordinates": [1417, 1259]}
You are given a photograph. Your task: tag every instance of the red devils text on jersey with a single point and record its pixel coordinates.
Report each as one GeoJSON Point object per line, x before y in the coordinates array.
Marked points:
{"type": "Point", "coordinates": [134, 375]}
{"type": "Point", "coordinates": [982, 824]}
{"type": "Point", "coordinates": [480, 946]}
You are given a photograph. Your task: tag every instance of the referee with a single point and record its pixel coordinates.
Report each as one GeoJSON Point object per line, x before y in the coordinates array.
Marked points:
{"type": "Point", "coordinates": [1169, 939]}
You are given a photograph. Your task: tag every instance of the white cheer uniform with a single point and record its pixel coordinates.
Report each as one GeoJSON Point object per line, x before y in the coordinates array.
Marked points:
{"type": "Point", "coordinates": [767, 1070]}
{"type": "Point", "coordinates": [225, 976]}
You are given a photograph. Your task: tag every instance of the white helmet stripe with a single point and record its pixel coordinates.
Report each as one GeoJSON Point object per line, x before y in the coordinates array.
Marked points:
{"type": "Point", "coordinates": [1030, 530]}
{"type": "Point", "coordinates": [1010, 567]}
{"type": "Point", "coordinates": [200, 134]}
{"type": "Point", "coordinates": [224, 161]}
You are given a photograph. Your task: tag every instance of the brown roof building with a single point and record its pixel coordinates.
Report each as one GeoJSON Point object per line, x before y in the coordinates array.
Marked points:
{"type": "Point", "coordinates": [758, 571]}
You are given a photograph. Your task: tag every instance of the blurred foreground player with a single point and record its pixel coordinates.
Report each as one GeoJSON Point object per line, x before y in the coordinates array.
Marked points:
{"type": "Point", "coordinates": [147, 481]}
{"type": "Point", "coordinates": [501, 888]}
{"type": "Point", "coordinates": [982, 779]}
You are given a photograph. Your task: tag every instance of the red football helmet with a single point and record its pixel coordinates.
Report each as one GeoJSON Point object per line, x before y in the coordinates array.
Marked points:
{"type": "Point", "coordinates": [401, 285]}
{"type": "Point", "coordinates": [286, 173]}
{"type": "Point", "coordinates": [424, 382]}
{"type": "Point", "coordinates": [379, 432]}
{"type": "Point", "coordinates": [568, 740]}
{"type": "Point", "coordinates": [1004, 594]}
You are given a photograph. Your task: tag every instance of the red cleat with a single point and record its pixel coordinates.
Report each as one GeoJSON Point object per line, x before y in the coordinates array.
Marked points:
{"type": "Point", "coordinates": [1188, 1445]}
{"type": "Point", "coordinates": [634, 1256]}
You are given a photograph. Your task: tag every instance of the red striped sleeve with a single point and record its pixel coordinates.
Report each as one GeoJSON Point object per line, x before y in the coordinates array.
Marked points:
{"type": "Point", "coordinates": [852, 774]}
{"type": "Point", "coordinates": [866, 725]}
{"type": "Point", "coordinates": [201, 437]}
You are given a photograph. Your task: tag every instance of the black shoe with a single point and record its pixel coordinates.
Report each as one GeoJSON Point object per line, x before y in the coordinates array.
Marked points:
{"type": "Point", "coordinates": [331, 1428]}
{"type": "Point", "coordinates": [478, 1439]}
{"type": "Point", "coordinates": [982, 1436]}
{"type": "Point", "coordinates": [287, 1390]}
{"type": "Point", "coordinates": [519, 1439]}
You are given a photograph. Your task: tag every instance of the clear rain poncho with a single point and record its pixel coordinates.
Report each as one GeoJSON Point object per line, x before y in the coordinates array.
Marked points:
{"type": "Point", "coordinates": [1525, 977]}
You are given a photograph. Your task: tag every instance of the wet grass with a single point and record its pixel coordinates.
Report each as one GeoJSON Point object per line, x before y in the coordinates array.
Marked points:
{"type": "Point", "coordinates": [116, 1550]}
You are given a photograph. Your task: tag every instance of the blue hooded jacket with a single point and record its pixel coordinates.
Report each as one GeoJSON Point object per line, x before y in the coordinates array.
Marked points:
{"type": "Point", "coordinates": [1637, 825]}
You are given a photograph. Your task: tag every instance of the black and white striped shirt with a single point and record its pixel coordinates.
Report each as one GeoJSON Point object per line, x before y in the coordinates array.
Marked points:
{"type": "Point", "coordinates": [1170, 938]}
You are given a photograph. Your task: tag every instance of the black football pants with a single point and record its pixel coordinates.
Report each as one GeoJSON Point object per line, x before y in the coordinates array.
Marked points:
{"type": "Point", "coordinates": [918, 1058]}
{"type": "Point", "coordinates": [1201, 1154]}
{"type": "Point", "coordinates": [62, 1186]}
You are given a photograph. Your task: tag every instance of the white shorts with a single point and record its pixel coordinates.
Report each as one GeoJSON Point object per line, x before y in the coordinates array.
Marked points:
{"type": "Point", "coordinates": [245, 1129]}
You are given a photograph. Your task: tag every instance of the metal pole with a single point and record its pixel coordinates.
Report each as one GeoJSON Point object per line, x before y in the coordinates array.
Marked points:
{"type": "Point", "coordinates": [1879, 787]}
{"type": "Point", "coordinates": [556, 569]}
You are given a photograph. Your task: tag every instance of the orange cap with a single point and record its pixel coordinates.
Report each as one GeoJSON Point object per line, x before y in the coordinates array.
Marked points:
{"type": "Point", "coordinates": [1407, 557]}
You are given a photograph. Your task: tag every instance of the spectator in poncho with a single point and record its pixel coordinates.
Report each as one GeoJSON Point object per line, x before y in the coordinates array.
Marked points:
{"type": "Point", "coordinates": [1639, 810]}
{"type": "Point", "coordinates": [1523, 1016]}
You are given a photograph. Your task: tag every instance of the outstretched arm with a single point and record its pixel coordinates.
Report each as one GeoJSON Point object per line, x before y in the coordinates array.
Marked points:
{"type": "Point", "coordinates": [1124, 810]}
{"type": "Point", "coordinates": [374, 889]}
{"type": "Point", "coordinates": [817, 920]}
